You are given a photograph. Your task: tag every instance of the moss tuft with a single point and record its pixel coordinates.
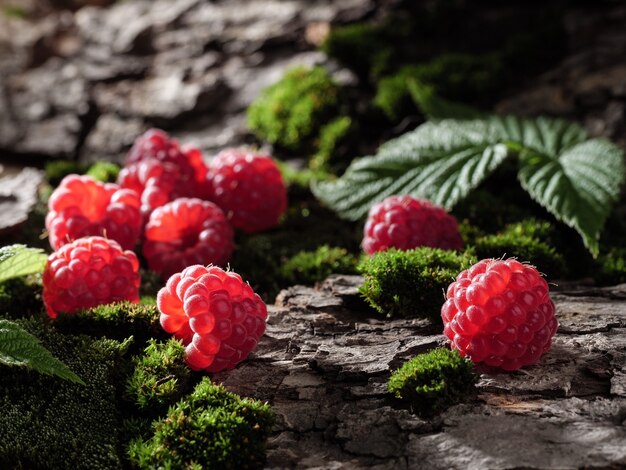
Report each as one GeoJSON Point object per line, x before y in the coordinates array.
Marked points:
{"type": "Point", "coordinates": [411, 283]}
{"type": "Point", "coordinates": [56, 170]}
{"type": "Point", "coordinates": [528, 241]}
{"type": "Point", "coordinates": [433, 381]}
{"type": "Point", "coordinates": [52, 423]}
{"type": "Point", "coordinates": [291, 112]}
{"type": "Point", "coordinates": [309, 267]}
{"type": "Point", "coordinates": [160, 377]}
{"type": "Point", "coordinates": [259, 257]}
{"type": "Point", "coordinates": [211, 429]}
{"type": "Point", "coordinates": [331, 138]}
{"type": "Point", "coordinates": [117, 320]}
{"type": "Point", "coordinates": [455, 76]}
{"type": "Point", "coordinates": [611, 267]}
{"type": "Point", "coordinates": [20, 298]}
{"type": "Point", "coordinates": [104, 171]}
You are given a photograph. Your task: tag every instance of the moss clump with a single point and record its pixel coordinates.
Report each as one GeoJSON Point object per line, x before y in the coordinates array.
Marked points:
{"type": "Point", "coordinates": [160, 377]}
{"type": "Point", "coordinates": [104, 171]}
{"type": "Point", "coordinates": [455, 76]}
{"type": "Point", "coordinates": [259, 257]}
{"type": "Point", "coordinates": [117, 320]}
{"type": "Point", "coordinates": [211, 429]}
{"type": "Point", "coordinates": [49, 423]}
{"type": "Point", "coordinates": [411, 283]}
{"type": "Point", "coordinates": [433, 381]}
{"type": "Point", "coordinates": [20, 298]}
{"type": "Point", "coordinates": [528, 241]}
{"type": "Point", "coordinates": [611, 267]}
{"type": "Point", "coordinates": [56, 170]}
{"type": "Point", "coordinates": [292, 112]}
{"type": "Point", "coordinates": [371, 49]}
{"type": "Point", "coordinates": [331, 138]}
{"type": "Point", "coordinates": [309, 267]}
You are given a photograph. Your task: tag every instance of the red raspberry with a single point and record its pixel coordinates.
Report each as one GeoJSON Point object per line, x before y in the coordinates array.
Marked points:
{"type": "Point", "coordinates": [157, 145]}
{"type": "Point", "coordinates": [80, 207]}
{"type": "Point", "coordinates": [186, 232]}
{"type": "Point", "coordinates": [88, 272]}
{"type": "Point", "coordinates": [500, 313]}
{"type": "Point", "coordinates": [216, 314]}
{"type": "Point", "coordinates": [249, 188]}
{"type": "Point", "coordinates": [158, 183]}
{"type": "Point", "coordinates": [404, 222]}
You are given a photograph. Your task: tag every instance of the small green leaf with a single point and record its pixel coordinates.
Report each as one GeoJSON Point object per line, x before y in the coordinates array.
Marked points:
{"type": "Point", "coordinates": [577, 185]}
{"type": "Point", "coordinates": [441, 161]}
{"type": "Point", "coordinates": [19, 348]}
{"type": "Point", "coordinates": [20, 260]}
{"type": "Point", "coordinates": [434, 107]}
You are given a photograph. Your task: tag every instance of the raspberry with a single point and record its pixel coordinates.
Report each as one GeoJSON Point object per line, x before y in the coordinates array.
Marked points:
{"type": "Point", "coordinates": [215, 313]}
{"type": "Point", "coordinates": [404, 222]}
{"type": "Point", "coordinates": [184, 232]}
{"type": "Point", "coordinates": [249, 188]}
{"type": "Point", "coordinates": [500, 313]}
{"type": "Point", "coordinates": [157, 183]}
{"type": "Point", "coordinates": [88, 272]}
{"type": "Point", "coordinates": [155, 144]}
{"type": "Point", "coordinates": [80, 207]}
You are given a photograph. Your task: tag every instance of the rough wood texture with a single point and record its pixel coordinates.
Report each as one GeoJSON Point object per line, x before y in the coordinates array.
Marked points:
{"type": "Point", "coordinates": [325, 360]}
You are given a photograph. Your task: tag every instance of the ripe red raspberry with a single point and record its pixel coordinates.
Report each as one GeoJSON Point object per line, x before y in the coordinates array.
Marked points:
{"type": "Point", "coordinates": [88, 272]}
{"type": "Point", "coordinates": [155, 144]}
{"type": "Point", "coordinates": [500, 313]}
{"type": "Point", "coordinates": [249, 188]}
{"type": "Point", "coordinates": [186, 232]}
{"type": "Point", "coordinates": [216, 314]}
{"type": "Point", "coordinates": [157, 183]}
{"type": "Point", "coordinates": [404, 222]}
{"type": "Point", "coordinates": [80, 207]}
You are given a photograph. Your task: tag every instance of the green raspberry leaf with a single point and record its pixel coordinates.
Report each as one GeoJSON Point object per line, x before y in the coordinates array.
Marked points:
{"type": "Point", "coordinates": [578, 185]}
{"type": "Point", "coordinates": [20, 260]}
{"type": "Point", "coordinates": [19, 348]}
{"type": "Point", "coordinates": [441, 161]}
{"type": "Point", "coordinates": [575, 178]}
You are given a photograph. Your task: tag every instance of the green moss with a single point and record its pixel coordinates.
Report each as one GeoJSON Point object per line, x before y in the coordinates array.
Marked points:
{"type": "Point", "coordinates": [454, 76]}
{"type": "Point", "coordinates": [56, 170]}
{"type": "Point", "coordinates": [20, 298]}
{"type": "Point", "coordinates": [117, 320]}
{"type": "Point", "coordinates": [259, 257]}
{"type": "Point", "coordinates": [411, 283]}
{"type": "Point", "coordinates": [309, 267]}
{"type": "Point", "coordinates": [611, 267]}
{"type": "Point", "coordinates": [433, 381]}
{"type": "Point", "coordinates": [371, 49]}
{"type": "Point", "coordinates": [489, 213]}
{"type": "Point", "coordinates": [50, 423]}
{"type": "Point", "coordinates": [104, 171]}
{"type": "Point", "coordinates": [291, 112]}
{"type": "Point", "coordinates": [330, 142]}
{"type": "Point", "coordinates": [211, 429]}
{"type": "Point", "coordinates": [528, 241]}
{"type": "Point", "coordinates": [160, 377]}
{"type": "Point", "coordinates": [14, 11]}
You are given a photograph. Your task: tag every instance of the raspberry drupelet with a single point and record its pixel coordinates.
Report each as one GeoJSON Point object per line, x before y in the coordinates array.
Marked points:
{"type": "Point", "coordinates": [500, 313]}
{"type": "Point", "coordinates": [81, 206]}
{"type": "Point", "coordinates": [156, 182]}
{"type": "Point", "coordinates": [215, 313]}
{"type": "Point", "coordinates": [405, 222]}
{"type": "Point", "coordinates": [185, 232]}
{"type": "Point", "coordinates": [88, 272]}
{"type": "Point", "coordinates": [249, 188]}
